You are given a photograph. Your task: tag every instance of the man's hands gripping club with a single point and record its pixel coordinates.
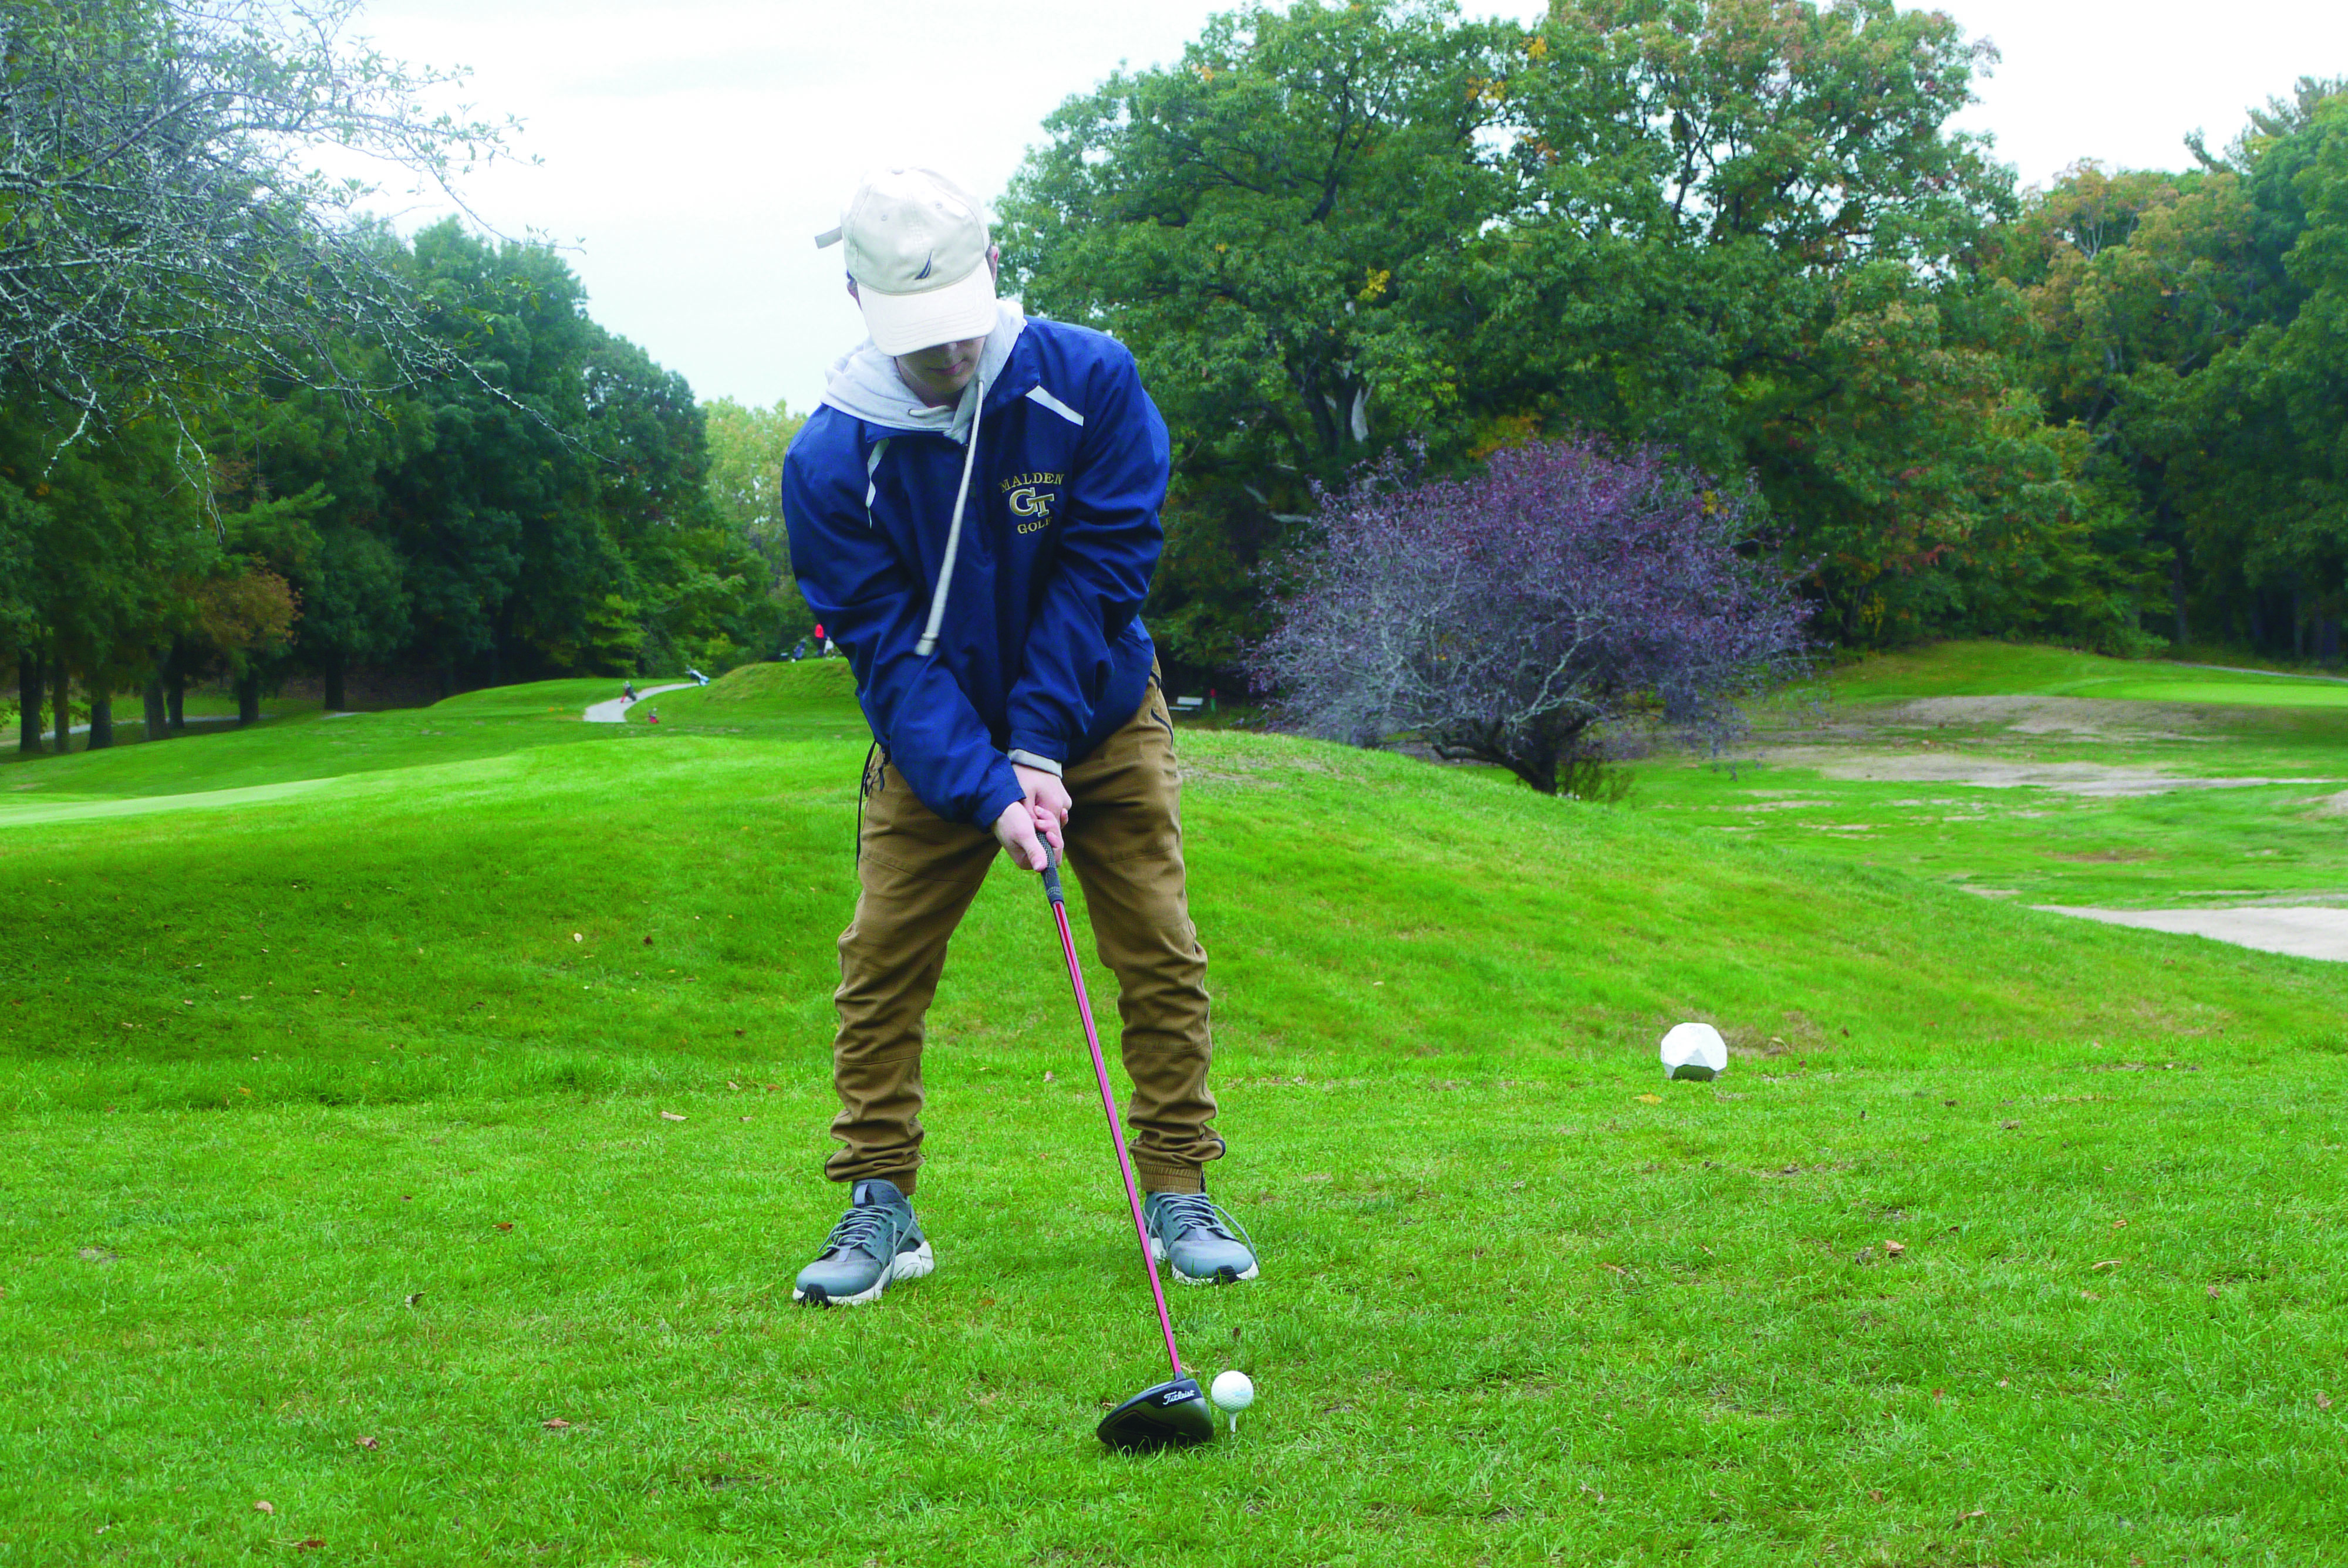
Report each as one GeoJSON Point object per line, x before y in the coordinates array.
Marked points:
{"type": "Point", "coordinates": [1040, 818]}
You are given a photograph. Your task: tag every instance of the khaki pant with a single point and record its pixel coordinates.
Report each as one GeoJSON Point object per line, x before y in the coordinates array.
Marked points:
{"type": "Point", "coordinates": [918, 873]}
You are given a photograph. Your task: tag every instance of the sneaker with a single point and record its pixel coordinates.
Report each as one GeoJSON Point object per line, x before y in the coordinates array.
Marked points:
{"type": "Point", "coordinates": [1204, 1244]}
{"type": "Point", "coordinates": [876, 1243]}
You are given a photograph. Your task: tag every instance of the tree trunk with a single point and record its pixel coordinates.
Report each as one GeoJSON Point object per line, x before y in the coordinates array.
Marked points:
{"type": "Point", "coordinates": [158, 725]}
{"type": "Point", "coordinates": [334, 678]}
{"type": "Point", "coordinates": [101, 720]}
{"type": "Point", "coordinates": [248, 698]}
{"type": "Point", "coordinates": [175, 697]}
{"type": "Point", "coordinates": [30, 670]}
{"type": "Point", "coordinates": [2177, 591]}
{"type": "Point", "coordinates": [2327, 638]}
{"type": "Point", "coordinates": [61, 683]}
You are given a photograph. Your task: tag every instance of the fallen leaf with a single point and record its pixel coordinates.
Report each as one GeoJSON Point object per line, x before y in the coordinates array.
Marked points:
{"type": "Point", "coordinates": [408, 1197]}
{"type": "Point", "coordinates": [310, 1543]}
{"type": "Point", "coordinates": [577, 937]}
{"type": "Point", "coordinates": [505, 1225]}
{"type": "Point", "coordinates": [2213, 1293]}
{"type": "Point", "coordinates": [648, 941]}
{"type": "Point", "coordinates": [1976, 1513]}
{"type": "Point", "coordinates": [2323, 1401]}
{"type": "Point", "coordinates": [734, 1086]}
{"type": "Point", "coordinates": [2107, 1263]}
{"type": "Point", "coordinates": [1048, 1075]}
{"type": "Point", "coordinates": [1894, 1248]}
{"type": "Point", "coordinates": [554, 1423]}
{"type": "Point", "coordinates": [770, 1088]}
{"type": "Point", "coordinates": [368, 1443]}
{"type": "Point", "coordinates": [2089, 1296]}
{"type": "Point", "coordinates": [672, 1116]}
{"type": "Point", "coordinates": [1873, 1495]}
{"type": "Point", "coordinates": [264, 1506]}
{"type": "Point", "coordinates": [2119, 1225]}
{"type": "Point", "coordinates": [412, 1300]}
{"type": "Point", "coordinates": [2008, 1126]}
{"type": "Point", "coordinates": [1651, 1100]}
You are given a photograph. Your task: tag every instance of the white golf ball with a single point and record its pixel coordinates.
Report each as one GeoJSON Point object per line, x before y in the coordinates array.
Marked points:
{"type": "Point", "coordinates": [1232, 1391]}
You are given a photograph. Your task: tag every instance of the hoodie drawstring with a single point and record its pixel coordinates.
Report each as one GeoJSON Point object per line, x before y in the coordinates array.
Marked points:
{"type": "Point", "coordinates": [929, 642]}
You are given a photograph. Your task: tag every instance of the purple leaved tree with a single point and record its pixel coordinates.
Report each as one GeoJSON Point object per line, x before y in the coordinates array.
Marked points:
{"type": "Point", "coordinates": [1520, 616]}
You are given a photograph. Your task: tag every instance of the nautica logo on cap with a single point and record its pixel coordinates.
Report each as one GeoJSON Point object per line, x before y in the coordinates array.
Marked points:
{"type": "Point", "coordinates": [926, 262]}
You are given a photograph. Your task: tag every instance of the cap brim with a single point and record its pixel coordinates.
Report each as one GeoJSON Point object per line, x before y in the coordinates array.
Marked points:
{"type": "Point", "coordinates": [901, 323]}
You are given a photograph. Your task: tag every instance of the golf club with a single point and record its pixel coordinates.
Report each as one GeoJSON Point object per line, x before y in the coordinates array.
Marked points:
{"type": "Point", "coordinates": [1173, 1412]}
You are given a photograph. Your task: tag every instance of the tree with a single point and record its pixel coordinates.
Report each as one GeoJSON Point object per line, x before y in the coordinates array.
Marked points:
{"type": "Point", "coordinates": [163, 229]}
{"type": "Point", "coordinates": [747, 447]}
{"type": "Point", "coordinates": [1273, 225]}
{"type": "Point", "coordinates": [1519, 616]}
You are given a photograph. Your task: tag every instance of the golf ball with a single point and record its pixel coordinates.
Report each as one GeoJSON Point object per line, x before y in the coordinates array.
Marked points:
{"type": "Point", "coordinates": [1232, 1391]}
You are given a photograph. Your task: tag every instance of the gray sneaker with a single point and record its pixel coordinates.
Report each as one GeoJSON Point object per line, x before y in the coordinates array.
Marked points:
{"type": "Point", "coordinates": [1203, 1242]}
{"type": "Point", "coordinates": [876, 1243]}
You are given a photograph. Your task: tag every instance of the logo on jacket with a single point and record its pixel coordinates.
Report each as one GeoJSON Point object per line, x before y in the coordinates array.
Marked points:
{"type": "Point", "coordinates": [1031, 497]}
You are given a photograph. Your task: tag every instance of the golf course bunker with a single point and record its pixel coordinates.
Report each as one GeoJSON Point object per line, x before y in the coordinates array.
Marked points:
{"type": "Point", "coordinates": [2070, 778]}
{"type": "Point", "coordinates": [2302, 931]}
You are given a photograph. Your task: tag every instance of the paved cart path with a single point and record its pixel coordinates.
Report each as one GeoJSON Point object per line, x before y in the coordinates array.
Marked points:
{"type": "Point", "coordinates": [616, 709]}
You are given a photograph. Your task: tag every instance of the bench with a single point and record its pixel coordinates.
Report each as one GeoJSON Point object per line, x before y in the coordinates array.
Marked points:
{"type": "Point", "coordinates": [1189, 705]}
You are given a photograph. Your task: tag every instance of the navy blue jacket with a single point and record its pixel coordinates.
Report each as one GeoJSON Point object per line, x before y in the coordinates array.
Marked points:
{"type": "Point", "coordinates": [1042, 650]}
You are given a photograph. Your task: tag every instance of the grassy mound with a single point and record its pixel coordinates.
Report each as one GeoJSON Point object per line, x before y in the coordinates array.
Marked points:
{"type": "Point", "coordinates": [472, 1108]}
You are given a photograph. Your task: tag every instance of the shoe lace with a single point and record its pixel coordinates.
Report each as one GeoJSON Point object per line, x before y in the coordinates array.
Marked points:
{"type": "Point", "coordinates": [860, 1229]}
{"type": "Point", "coordinates": [1182, 1212]}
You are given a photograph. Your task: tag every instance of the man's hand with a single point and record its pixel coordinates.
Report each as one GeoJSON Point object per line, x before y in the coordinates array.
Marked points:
{"type": "Point", "coordinates": [1047, 797]}
{"type": "Point", "coordinates": [1015, 828]}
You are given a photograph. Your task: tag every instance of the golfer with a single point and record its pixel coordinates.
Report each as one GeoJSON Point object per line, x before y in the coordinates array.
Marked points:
{"type": "Point", "coordinates": [973, 518]}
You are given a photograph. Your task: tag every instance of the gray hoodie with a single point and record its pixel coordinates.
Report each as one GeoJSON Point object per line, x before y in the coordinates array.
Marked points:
{"type": "Point", "coordinates": [864, 382]}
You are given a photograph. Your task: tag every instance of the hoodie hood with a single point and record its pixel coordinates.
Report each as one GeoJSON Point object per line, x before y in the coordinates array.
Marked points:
{"type": "Point", "coordinates": [864, 385]}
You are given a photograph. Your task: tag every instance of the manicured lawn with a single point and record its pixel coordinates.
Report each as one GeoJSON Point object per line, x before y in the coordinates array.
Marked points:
{"type": "Point", "coordinates": [277, 1074]}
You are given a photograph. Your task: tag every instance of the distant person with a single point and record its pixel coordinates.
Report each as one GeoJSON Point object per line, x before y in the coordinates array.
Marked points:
{"type": "Point", "coordinates": [1012, 700]}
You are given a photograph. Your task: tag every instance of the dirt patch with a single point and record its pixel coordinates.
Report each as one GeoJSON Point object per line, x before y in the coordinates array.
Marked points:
{"type": "Point", "coordinates": [2088, 716]}
{"type": "Point", "coordinates": [2096, 779]}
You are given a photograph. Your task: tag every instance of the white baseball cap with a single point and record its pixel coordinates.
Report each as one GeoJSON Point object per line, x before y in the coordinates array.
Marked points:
{"type": "Point", "coordinates": [917, 246]}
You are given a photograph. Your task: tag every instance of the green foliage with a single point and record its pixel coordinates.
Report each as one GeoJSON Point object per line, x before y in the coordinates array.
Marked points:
{"type": "Point", "coordinates": [1740, 227]}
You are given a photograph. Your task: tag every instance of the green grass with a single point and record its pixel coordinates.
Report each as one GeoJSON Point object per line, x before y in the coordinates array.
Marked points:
{"type": "Point", "coordinates": [2003, 668]}
{"type": "Point", "coordinates": [274, 1075]}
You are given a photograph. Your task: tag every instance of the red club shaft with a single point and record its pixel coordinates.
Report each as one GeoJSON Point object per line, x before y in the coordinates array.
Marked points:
{"type": "Point", "coordinates": [1116, 1133]}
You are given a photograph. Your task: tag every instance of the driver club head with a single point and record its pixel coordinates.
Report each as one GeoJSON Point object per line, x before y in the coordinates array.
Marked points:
{"type": "Point", "coordinates": [1165, 1415]}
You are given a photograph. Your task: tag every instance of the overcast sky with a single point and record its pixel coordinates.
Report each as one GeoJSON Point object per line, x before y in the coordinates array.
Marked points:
{"type": "Point", "coordinates": [690, 148]}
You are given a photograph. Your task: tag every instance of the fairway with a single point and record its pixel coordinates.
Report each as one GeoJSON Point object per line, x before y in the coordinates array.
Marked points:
{"type": "Point", "coordinates": [426, 1152]}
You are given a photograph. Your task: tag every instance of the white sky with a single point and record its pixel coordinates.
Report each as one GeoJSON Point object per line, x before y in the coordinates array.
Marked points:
{"type": "Point", "coordinates": [690, 148]}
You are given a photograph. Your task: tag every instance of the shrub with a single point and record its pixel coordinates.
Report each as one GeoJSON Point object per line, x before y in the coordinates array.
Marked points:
{"type": "Point", "coordinates": [1530, 614]}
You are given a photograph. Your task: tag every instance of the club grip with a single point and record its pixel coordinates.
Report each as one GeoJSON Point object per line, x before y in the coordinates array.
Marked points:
{"type": "Point", "coordinates": [1052, 875]}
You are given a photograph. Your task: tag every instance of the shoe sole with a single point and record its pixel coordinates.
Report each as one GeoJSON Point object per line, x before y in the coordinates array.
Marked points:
{"type": "Point", "coordinates": [1220, 1276]}
{"type": "Point", "coordinates": [904, 1265]}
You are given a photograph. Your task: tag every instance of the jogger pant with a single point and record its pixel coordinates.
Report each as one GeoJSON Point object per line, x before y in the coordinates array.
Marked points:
{"type": "Point", "coordinates": [918, 874]}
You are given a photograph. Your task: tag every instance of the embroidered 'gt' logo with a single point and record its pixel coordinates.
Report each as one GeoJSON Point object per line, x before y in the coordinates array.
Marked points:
{"type": "Point", "coordinates": [1031, 501]}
